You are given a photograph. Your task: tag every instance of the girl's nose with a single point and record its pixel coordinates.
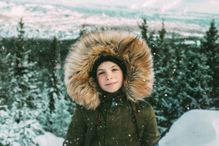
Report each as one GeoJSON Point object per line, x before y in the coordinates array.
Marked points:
{"type": "Point", "coordinates": [108, 76]}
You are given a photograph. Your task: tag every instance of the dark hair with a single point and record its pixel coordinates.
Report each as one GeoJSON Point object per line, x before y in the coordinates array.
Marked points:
{"type": "Point", "coordinates": [102, 58]}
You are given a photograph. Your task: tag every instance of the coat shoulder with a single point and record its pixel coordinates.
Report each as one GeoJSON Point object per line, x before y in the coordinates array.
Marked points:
{"type": "Point", "coordinates": [144, 108]}
{"type": "Point", "coordinates": [144, 105]}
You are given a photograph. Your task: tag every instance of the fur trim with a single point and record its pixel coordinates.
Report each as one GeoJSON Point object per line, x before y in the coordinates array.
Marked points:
{"type": "Point", "coordinates": [133, 50]}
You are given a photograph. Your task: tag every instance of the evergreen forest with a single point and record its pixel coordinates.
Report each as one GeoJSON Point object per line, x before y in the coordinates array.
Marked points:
{"type": "Point", "coordinates": [33, 97]}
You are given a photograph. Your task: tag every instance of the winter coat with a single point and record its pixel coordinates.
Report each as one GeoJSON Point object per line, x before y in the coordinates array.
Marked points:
{"type": "Point", "coordinates": [121, 119]}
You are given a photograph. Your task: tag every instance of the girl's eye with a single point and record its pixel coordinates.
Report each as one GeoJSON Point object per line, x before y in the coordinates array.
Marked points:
{"type": "Point", "coordinates": [115, 69]}
{"type": "Point", "coordinates": [100, 73]}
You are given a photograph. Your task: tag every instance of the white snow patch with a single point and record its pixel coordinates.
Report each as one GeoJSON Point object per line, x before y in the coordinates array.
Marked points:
{"type": "Point", "coordinates": [194, 128]}
{"type": "Point", "coordinates": [64, 20]}
{"type": "Point", "coordinates": [49, 139]}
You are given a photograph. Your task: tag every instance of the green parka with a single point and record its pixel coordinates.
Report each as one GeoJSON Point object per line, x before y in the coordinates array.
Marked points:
{"type": "Point", "coordinates": [119, 119]}
{"type": "Point", "coordinates": [113, 124]}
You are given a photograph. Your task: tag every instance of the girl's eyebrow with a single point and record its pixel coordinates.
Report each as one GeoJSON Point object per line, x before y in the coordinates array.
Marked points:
{"type": "Point", "coordinates": [114, 66]}
{"type": "Point", "coordinates": [100, 69]}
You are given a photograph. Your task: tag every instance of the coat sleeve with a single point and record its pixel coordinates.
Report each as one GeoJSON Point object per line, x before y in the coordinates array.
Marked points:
{"type": "Point", "coordinates": [76, 131]}
{"type": "Point", "coordinates": [151, 134]}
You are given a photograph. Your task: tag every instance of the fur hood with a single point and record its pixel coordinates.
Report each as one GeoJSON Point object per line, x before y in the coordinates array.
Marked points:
{"type": "Point", "coordinates": [134, 51]}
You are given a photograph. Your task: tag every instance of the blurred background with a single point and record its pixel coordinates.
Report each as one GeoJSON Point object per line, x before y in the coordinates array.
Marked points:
{"type": "Point", "coordinates": [35, 37]}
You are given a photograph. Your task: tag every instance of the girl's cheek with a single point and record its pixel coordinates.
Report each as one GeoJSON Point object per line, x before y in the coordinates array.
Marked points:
{"type": "Point", "coordinates": [101, 78]}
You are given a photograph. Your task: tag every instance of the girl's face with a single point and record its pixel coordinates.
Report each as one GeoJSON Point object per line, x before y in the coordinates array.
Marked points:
{"type": "Point", "coordinates": [109, 76]}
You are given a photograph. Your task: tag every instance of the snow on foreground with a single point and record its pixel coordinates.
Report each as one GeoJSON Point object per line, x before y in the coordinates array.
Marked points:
{"type": "Point", "coordinates": [49, 139]}
{"type": "Point", "coordinates": [194, 128]}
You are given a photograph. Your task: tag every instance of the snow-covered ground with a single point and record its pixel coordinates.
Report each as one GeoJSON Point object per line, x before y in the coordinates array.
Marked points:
{"type": "Point", "coordinates": [49, 139]}
{"type": "Point", "coordinates": [63, 19]}
{"type": "Point", "coordinates": [194, 128]}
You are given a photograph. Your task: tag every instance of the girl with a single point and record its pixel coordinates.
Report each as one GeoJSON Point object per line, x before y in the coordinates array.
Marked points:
{"type": "Point", "coordinates": [109, 75]}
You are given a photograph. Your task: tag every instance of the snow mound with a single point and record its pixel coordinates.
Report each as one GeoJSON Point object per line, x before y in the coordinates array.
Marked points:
{"type": "Point", "coordinates": [49, 139]}
{"type": "Point", "coordinates": [194, 128]}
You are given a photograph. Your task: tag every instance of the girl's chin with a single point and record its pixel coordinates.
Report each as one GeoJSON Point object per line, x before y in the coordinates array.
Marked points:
{"type": "Point", "coordinates": [111, 90]}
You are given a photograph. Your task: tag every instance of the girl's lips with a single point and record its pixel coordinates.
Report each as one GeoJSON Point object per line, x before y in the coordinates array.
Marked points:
{"type": "Point", "coordinates": [111, 83]}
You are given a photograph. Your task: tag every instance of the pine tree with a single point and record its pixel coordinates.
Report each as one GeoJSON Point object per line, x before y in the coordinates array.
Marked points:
{"type": "Point", "coordinates": [163, 98]}
{"type": "Point", "coordinates": [61, 117]}
{"type": "Point", "coordinates": [144, 29]}
{"type": "Point", "coordinates": [149, 37]}
{"type": "Point", "coordinates": [13, 133]}
{"type": "Point", "coordinates": [210, 47]}
{"type": "Point", "coordinates": [56, 113]}
{"type": "Point", "coordinates": [161, 45]}
{"type": "Point", "coordinates": [162, 33]}
{"type": "Point", "coordinates": [197, 77]}
{"type": "Point", "coordinates": [24, 93]}
{"type": "Point", "coordinates": [25, 82]}
{"type": "Point", "coordinates": [54, 65]}
{"type": "Point", "coordinates": [4, 80]}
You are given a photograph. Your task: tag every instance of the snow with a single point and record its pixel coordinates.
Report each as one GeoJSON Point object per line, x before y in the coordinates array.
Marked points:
{"type": "Point", "coordinates": [64, 19]}
{"type": "Point", "coordinates": [49, 139]}
{"type": "Point", "coordinates": [194, 128]}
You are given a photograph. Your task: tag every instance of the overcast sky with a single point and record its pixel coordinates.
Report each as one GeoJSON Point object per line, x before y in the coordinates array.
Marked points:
{"type": "Point", "coordinates": [210, 6]}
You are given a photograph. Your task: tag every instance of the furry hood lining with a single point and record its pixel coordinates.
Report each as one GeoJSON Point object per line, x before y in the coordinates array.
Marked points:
{"type": "Point", "coordinates": [79, 62]}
